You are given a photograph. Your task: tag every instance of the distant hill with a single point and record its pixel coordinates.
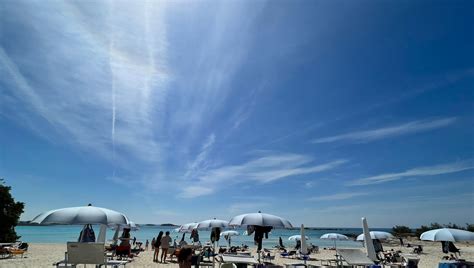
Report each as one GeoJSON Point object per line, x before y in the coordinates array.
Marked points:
{"type": "Point", "coordinates": [169, 225]}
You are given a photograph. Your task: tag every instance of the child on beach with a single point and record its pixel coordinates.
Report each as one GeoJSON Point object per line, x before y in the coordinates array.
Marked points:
{"type": "Point", "coordinates": [146, 244]}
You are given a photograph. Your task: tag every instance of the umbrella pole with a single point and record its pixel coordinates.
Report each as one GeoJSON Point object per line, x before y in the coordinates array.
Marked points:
{"type": "Point", "coordinates": [213, 254]}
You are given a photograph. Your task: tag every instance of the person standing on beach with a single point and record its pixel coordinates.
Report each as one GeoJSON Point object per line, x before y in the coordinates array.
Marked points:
{"type": "Point", "coordinates": [165, 245]}
{"type": "Point", "coordinates": [156, 246]}
{"type": "Point", "coordinates": [153, 241]}
{"type": "Point", "coordinates": [146, 244]}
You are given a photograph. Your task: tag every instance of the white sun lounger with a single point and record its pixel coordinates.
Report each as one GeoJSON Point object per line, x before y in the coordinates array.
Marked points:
{"type": "Point", "coordinates": [87, 253]}
{"type": "Point", "coordinates": [239, 259]}
{"type": "Point", "coordinates": [355, 257]}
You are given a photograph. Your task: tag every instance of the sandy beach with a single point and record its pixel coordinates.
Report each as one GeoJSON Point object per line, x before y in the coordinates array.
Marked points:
{"type": "Point", "coordinates": [44, 255]}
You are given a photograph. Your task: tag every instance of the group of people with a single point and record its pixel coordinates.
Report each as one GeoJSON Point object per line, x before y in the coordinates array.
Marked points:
{"type": "Point", "coordinates": [163, 242]}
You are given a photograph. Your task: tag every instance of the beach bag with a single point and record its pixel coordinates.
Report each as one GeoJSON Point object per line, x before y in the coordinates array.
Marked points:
{"type": "Point", "coordinates": [87, 234]}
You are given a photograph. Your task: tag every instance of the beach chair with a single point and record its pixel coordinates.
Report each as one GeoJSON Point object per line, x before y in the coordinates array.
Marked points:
{"type": "Point", "coordinates": [123, 251]}
{"type": "Point", "coordinates": [17, 252]}
{"type": "Point", "coordinates": [4, 253]}
{"type": "Point", "coordinates": [354, 257]}
{"type": "Point", "coordinates": [289, 254]}
{"type": "Point", "coordinates": [418, 249]}
{"type": "Point", "coordinates": [228, 265]}
{"type": "Point", "coordinates": [87, 253]}
{"type": "Point", "coordinates": [410, 260]}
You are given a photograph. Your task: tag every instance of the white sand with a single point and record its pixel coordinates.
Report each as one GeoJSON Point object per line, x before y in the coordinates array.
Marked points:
{"type": "Point", "coordinates": [44, 255]}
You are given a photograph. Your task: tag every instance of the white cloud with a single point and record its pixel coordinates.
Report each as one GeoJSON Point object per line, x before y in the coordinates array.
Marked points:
{"type": "Point", "coordinates": [201, 158]}
{"type": "Point", "coordinates": [77, 82]}
{"type": "Point", "coordinates": [339, 196]}
{"type": "Point", "coordinates": [265, 169]}
{"type": "Point", "coordinates": [417, 172]}
{"type": "Point", "coordinates": [196, 191]}
{"type": "Point", "coordinates": [386, 132]}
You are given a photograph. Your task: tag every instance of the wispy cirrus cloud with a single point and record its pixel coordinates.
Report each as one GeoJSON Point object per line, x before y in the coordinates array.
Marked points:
{"type": "Point", "coordinates": [93, 84]}
{"type": "Point", "coordinates": [264, 169]}
{"type": "Point", "coordinates": [416, 172]}
{"type": "Point", "coordinates": [338, 196]}
{"type": "Point", "coordinates": [387, 132]}
{"type": "Point", "coordinates": [200, 161]}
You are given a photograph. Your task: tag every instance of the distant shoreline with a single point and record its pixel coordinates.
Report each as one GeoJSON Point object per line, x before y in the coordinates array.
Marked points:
{"type": "Point", "coordinates": [27, 223]}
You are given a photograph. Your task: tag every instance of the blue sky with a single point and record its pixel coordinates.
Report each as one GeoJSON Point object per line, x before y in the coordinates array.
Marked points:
{"type": "Point", "coordinates": [318, 111]}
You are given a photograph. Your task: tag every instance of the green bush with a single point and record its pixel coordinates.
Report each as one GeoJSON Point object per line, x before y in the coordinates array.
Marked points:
{"type": "Point", "coordinates": [10, 212]}
{"type": "Point", "coordinates": [400, 230]}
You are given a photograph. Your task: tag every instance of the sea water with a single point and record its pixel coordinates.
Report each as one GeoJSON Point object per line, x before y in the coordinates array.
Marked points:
{"type": "Point", "coordinates": [64, 233]}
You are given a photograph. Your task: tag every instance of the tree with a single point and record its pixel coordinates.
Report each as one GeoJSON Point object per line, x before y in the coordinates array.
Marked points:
{"type": "Point", "coordinates": [10, 212]}
{"type": "Point", "coordinates": [400, 230]}
{"type": "Point", "coordinates": [470, 227]}
{"type": "Point", "coordinates": [422, 229]}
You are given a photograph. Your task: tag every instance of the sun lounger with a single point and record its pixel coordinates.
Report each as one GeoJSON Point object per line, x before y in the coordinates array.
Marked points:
{"type": "Point", "coordinates": [289, 254]}
{"type": "Point", "coordinates": [87, 253]}
{"type": "Point", "coordinates": [4, 253]}
{"type": "Point", "coordinates": [295, 265]}
{"type": "Point", "coordinates": [228, 265]}
{"type": "Point", "coordinates": [239, 259]}
{"type": "Point", "coordinates": [410, 259]}
{"type": "Point", "coordinates": [354, 257]}
{"type": "Point", "coordinates": [17, 251]}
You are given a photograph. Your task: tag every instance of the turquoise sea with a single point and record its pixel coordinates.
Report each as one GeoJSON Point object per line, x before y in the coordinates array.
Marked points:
{"type": "Point", "coordinates": [64, 233]}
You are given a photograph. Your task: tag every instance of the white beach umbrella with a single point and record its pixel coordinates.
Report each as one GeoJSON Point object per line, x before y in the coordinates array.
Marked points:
{"type": "Point", "coordinates": [260, 219]}
{"type": "Point", "coordinates": [296, 238]}
{"type": "Point", "coordinates": [186, 228]}
{"type": "Point", "coordinates": [447, 234]}
{"type": "Point", "coordinates": [213, 223]}
{"type": "Point", "coordinates": [334, 237]}
{"type": "Point", "coordinates": [376, 235]}
{"type": "Point", "coordinates": [228, 234]}
{"type": "Point", "coordinates": [367, 238]}
{"type": "Point", "coordinates": [81, 215]}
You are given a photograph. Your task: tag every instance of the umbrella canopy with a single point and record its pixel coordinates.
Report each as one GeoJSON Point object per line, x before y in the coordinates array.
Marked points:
{"type": "Point", "coordinates": [229, 233]}
{"type": "Point", "coordinates": [376, 235]}
{"type": "Point", "coordinates": [131, 225]}
{"type": "Point", "coordinates": [212, 224]}
{"type": "Point", "coordinates": [447, 234]}
{"type": "Point", "coordinates": [297, 237]}
{"type": "Point", "coordinates": [260, 219]}
{"type": "Point", "coordinates": [81, 215]}
{"type": "Point", "coordinates": [186, 228]}
{"type": "Point", "coordinates": [334, 236]}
